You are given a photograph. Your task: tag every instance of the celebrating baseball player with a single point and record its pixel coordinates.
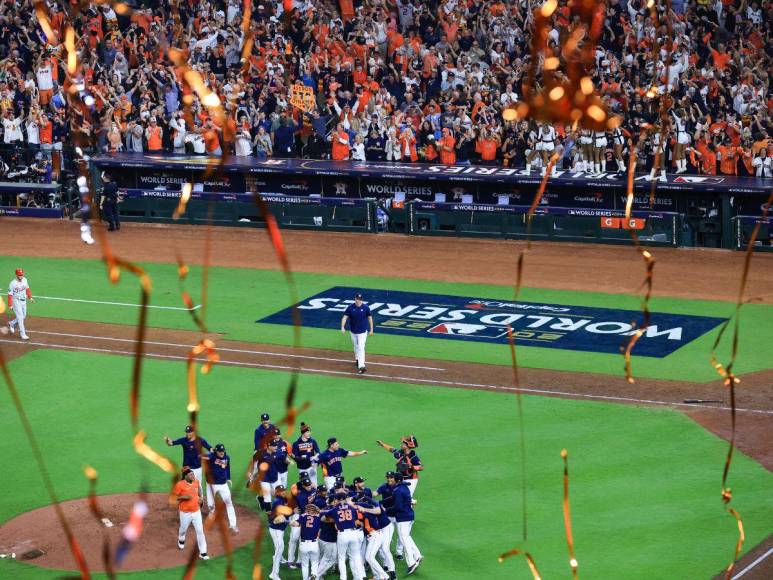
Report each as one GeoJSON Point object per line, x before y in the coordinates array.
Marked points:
{"type": "Point", "coordinates": [404, 517]}
{"type": "Point", "coordinates": [304, 450]}
{"type": "Point", "coordinates": [408, 463]}
{"type": "Point", "coordinates": [192, 452]}
{"type": "Point", "coordinates": [282, 457]}
{"type": "Point", "coordinates": [376, 522]}
{"type": "Point", "coordinates": [309, 523]}
{"type": "Point", "coordinates": [189, 503]}
{"type": "Point", "coordinates": [18, 294]}
{"type": "Point", "coordinates": [346, 519]}
{"type": "Point", "coordinates": [277, 524]}
{"type": "Point", "coordinates": [330, 459]}
{"type": "Point", "coordinates": [220, 472]}
{"type": "Point", "coordinates": [360, 320]}
{"type": "Point", "coordinates": [264, 462]}
{"type": "Point", "coordinates": [264, 432]}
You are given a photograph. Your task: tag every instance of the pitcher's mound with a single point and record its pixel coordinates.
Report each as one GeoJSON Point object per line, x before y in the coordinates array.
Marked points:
{"type": "Point", "coordinates": [37, 538]}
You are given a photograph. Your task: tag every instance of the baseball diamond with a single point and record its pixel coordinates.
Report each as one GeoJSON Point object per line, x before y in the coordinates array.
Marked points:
{"type": "Point", "coordinates": [326, 494]}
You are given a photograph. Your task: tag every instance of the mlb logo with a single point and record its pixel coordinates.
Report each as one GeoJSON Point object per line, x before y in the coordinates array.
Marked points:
{"type": "Point", "coordinates": [465, 329]}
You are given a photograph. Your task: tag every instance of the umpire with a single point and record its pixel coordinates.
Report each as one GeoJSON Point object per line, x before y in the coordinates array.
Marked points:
{"type": "Point", "coordinates": [109, 203]}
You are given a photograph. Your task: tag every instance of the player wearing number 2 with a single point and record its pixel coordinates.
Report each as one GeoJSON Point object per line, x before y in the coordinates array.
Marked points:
{"type": "Point", "coordinates": [360, 321]}
{"type": "Point", "coordinates": [18, 294]}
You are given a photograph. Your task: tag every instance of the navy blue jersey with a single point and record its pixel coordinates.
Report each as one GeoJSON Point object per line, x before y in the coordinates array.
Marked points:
{"type": "Point", "coordinates": [373, 522]}
{"type": "Point", "coordinates": [309, 526]}
{"type": "Point", "coordinates": [278, 501]}
{"type": "Point", "coordinates": [411, 459]}
{"type": "Point", "coordinates": [261, 433]}
{"type": "Point", "coordinates": [280, 456]}
{"type": "Point", "coordinates": [358, 318]}
{"type": "Point", "coordinates": [328, 532]}
{"type": "Point", "coordinates": [271, 474]}
{"type": "Point", "coordinates": [219, 468]}
{"type": "Point", "coordinates": [305, 497]}
{"type": "Point", "coordinates": [386, 492]}
{"type": "Point", "coordinates": [320, 501]}
{"type": "Point", "coordinates": [192, 455]}
{"type": "Point", "coordinates": [344, 516]}
{"type": "Point", "coordinates": [331, 461]}
{"type": "Point", "coordinates": [383, 518]}
{"type": "Point", "coordinates": [403, 510]}
{"type": "Point", "coordinates": [303, 451]}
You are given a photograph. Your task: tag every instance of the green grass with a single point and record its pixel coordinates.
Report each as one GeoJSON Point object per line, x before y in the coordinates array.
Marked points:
{"type": "Point", "coordinates": [238, 297]}
{"type": "Point", "coordinates": [644, 483]}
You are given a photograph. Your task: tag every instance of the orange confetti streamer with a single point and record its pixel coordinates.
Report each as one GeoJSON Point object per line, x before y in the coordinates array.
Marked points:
{"type": "Point", "coordinates": [185, 196]}
{"type": "Point", "coordinates": [738, 545]}
{"type": "Point", "coordinates": [107, 559]}
{"type": "Point", "coordinates": [649, 263]}
{"type": "Point", "coordinates": [567, 515]}
{"type": "Point", "coordinates": [517, 386]}
{"type": "Point", "coordinates": [529, 560]}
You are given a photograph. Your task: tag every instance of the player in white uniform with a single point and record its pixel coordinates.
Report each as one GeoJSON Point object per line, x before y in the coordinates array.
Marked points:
{"type": "Point", "coordinates": [18, 294]}
{"type": "Point", "coordinates": [682, 140]}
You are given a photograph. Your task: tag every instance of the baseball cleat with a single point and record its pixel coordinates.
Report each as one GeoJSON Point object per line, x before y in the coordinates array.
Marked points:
{"type": "Point", "coordinates": [398, 556]}
{"type": "Point", "coordinates": [234, 530]}
{"type": "Point", "coordinates": [25, 337]}
{"type": "Point", "coordinates": [361, 370]}
{"type": "Point", "coordinates": [204, 556]}
{"type": "Point", "coordinates": [12, 328]}
{"type": "Point", "coordinates": [412, 569]}
{"type": "Point", "coordinates": [180, 545]}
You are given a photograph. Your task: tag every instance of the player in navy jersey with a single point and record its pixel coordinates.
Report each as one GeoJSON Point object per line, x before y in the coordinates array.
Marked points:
{"type": "Point", "coordinates": [193, 450]}
{"type": "Point", "coordinates": [308, 524]}
{"type": "Point", "coordinates": [328, 535]}
{"type": "Point", "coordinates": [264, 432]}
{"type": "Point", "coordinates": [358, 490]}
{"type": "Point", "coordinates": [404, 516]}
{"type": "Point", "coordinates": [376, 523]}
{"type": "Point", "coordinates": [304, 494]}
{"type": "Point", "coordinates": [360, 322]}
{"type": "Point", "coordinates": [220, 484]}
{"type": "Point", "coordinates": [277, 523]}
{"type": "Point", "coordinates": [346, 519]}
{"type": "Point", "coordinates": [303, 452]}
{"type": "Point", "coordinates": [282, 457]}
{"type": "Point", "coordinates": [385, 491]}
{"type": "Point", "coordinates": [408, 463]}
{"type": "Point", "coordinates": [264, 469]}
{"type": "Point", "coordinates": [330, 460]}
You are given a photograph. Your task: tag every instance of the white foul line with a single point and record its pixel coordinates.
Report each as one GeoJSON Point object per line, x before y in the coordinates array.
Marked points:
{"type": "Point", "coordinates": [118, 303]}
{"type": "Point", "coordinates": [239, 350]}
{"type": "Point", "coordinates": [402, 379]}
{"type": "Point", "coordinates": [753, 564]}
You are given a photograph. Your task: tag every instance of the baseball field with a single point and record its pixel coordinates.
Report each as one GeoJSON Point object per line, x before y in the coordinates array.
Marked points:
{"type": "Point", "coordinates": [645, 460]}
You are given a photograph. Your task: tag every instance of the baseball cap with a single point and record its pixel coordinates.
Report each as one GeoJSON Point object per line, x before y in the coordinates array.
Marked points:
{"type": "Point", "coordinates": [358, 296]}
{"type": "Point", "coordinates": [398, 476]}
{"type": "Point", "coordinates": [186, 471]}
{"type": "Point", "coordinates": [19, 272]}
{"type": "Point", "coordinates": [390, 474]}
{"type": "Point", "coordinates": [277, 432]}
{"type": "Point", "coordinates": [272, 443]}
{"type": "Point", "coordinates": [264, 417]}
{"type": "Point", "coordinates": [189, 429]}
{"type": "Point", "coordinates": [340, 495]}
{"type": "Point", "coordinates": [358, 479]}
{"type": "Point", "coordinates": [305, 427]}
{"type": "Point", "coordinates": [280, 488]}
{"type": "Point", "coordinates": [305, 481]}
{"type": "Point", "coordinates": [220, 447]}
{"type": "Point", "coordinates": [331, 441]}
{"type": "Point", "coordinates": [339, 480]}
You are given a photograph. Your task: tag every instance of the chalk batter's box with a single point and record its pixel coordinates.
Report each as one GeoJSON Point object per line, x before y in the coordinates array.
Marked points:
{"type": "Point", "coordinates": [478, 319]}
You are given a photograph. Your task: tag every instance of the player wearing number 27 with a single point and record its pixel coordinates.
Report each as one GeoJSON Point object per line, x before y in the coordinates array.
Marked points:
{"type": "Point", "coordinates": [18, 294]}
{"type": "Point", "coordinates": [360, 322]}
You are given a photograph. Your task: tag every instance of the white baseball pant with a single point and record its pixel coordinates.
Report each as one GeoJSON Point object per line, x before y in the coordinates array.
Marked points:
{"type": "Point", "coordinates": [385, 550]}
{"type": "Point", "coordinates": [295, 536]}
{"type": "Point", "coordinates": [375, 541]}
{"type": "Point", "coordinates": [282, 480]}
{"type": "Point", "coordinates": [309, 556]}
{"type": "Point", "coordinates": [20, 310]}
{"type": "Point", "coordinates": [328, 557]}
{"type": "Point", "coordinates": [348, 546]}
{"type": "Point", "coordinates": [224, 491]}
{"type": "Point", "coordinates": [188, 518]}
{"type": "Point", "coordinates": [278, 537]}
{"type": "Point", "coordinates": [412, 483]}
{"type": "Point", "coordinates": [197, 471]}
{"type": "Point", "coordinates": [399, 544]}
{"type": "Point", "coordinates": [358, 341]}
{"type": "Point", "coordinates": [411, 550]}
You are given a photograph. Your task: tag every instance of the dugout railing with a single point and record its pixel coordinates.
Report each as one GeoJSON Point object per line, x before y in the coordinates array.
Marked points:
{"type": "Point", "coordinates": [240, 209]}
{"type": "Point", "coordinates": [743, 227]}
{"type": "Point", "coordinates": [548, 222]}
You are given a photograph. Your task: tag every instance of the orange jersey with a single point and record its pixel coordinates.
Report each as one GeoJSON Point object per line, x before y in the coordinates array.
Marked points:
{"type": "Point", "coordinates": [191, 489]}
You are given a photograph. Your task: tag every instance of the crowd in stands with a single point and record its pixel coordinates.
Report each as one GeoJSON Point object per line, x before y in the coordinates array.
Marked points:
{"type": "Point", "coordinates": [393, 80]}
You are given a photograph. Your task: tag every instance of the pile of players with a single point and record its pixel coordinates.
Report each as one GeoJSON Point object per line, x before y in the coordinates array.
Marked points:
{"type": "Point", "coordinates": [333, 524]}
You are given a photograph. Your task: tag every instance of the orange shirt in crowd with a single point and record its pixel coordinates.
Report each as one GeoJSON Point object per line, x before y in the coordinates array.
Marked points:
{"type": "Point", "coordinates": [191, 489]}
{"type": "Point", "coordinates": [447, 146]}
{"type": "Point", "coordinates": [728, 163]}
{"type": "Point", "coordinates": [340, 151]}
{"type": "Point", "coordinates": [47, 132]}
{"type": "Point", "coordinates": [211, 140]}
{"type": "Point", "coordinates": [154, 138]}
{"type": "Point", "coordinates": [487, 149]}
{"type": "Point", "coordinates": [721, 59]}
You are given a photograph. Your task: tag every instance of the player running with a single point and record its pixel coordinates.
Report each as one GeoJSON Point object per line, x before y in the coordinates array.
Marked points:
{"type": "Point", "coordinates": [360, 320]}
{"type": "Point", "coordinates": [277, 524]}
{"type": "Point", "coordinates": [404, 517]}
{"type": "Point", "coordinates": [303, 452]}
{"type": "Point", "coordinates": [330, 460]}
{"type": "Point", "coordinates": [18, 294]}
{"type": "Point", "coordinates": [264, 467]}
{"type": "Point", "coordinates": [220, 472]}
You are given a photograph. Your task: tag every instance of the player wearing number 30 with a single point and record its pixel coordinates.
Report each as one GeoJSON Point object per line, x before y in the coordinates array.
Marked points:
{"type": "Point", "coordinates": [360, 321]}
{"type": "Point", "coordinates": [18, 294]}
{"type": "Point", "coordinates": [220, 474]}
